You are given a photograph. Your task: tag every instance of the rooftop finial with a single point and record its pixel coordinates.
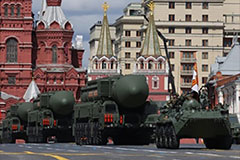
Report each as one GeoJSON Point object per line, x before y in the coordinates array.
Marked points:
{"type": "Point", "coordinates": [151, 6]}
{"type": "Point", "coordinates": [105, 7]}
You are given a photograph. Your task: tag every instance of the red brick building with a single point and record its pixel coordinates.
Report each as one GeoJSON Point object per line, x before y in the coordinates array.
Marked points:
{"type": "Point", "coordinates": [44, 52]}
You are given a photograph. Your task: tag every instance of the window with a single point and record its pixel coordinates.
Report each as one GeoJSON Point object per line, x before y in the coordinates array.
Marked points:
{"type": "Point", "coordinates": [204, 18]}
{"type": "Point", "coordinates": [205, 31]}
{"type": "Point", "coordinates": [142, 65]}
{"type": "Point", "coordinates": [127, 66]}
{"type": "Point", "coordinates": [171, 55]}
{"type": "Point", "coordinates": [171, 30]}
{"type": "Point", "coordinates": [18, 10]}
{"type": "Point", "coordinates": [172, 67]}
{"type": "Point", "coordinates": [171, 5]}
{"type": "Point", "coordinates": [160, 65]}
{"type": "Point", "coordinates": [104, 65]}
{"type": "Point", "coordinates": [12, 10]}
{"type": "Point", "coordinates": [188, 55]}
{"type": "Point", "coordinates": [204, 80]}
{"type": "Point", "coordinates": [188, 30]}
{"type": "Point", "coordinates": [12, 80]}
{"type": "Point", "coordinates": [188, 5]}
{"type": "Point", "coordinates": [127, 54]}
{"type": "Point", "coordinates": [150, 65]}
{"type": "Point", "coordinates": [6, 10]}
{"type": "Point", "coordinates": [138, 33]}
{"type": "Point", "coordinates": [138, 54]}
{"type": "Point", "coordinates": [187, 67]}
{"type": "Point", "coordinates": [171, 42]}
{"type": "Point", "coordinates": [188, 42]}
{"type": "Point", "coordinates": [112, 64]}
{"type": "Point", "coordinates": [188, 18]}
{"type": "Point", "coordinates": [54, 54]}
{"type": "Point", "coordinates": [12, 50]}
{"type": "Point", "coordinates": [205, 55]}
{"type": "Point", "coordinates": [138, 44]}
{"type": "Point", "coordinates": [204, 42]}
{"type": "Point", "coordinates": [128, 44]}
{"type": "Point", "coordinates": [127, 33]}
{"type": "Point", "coordinates": [171, 17]}
{"type": "Point", "coordinates": [205, 68]}
{"type": "Point", "coordinates": [187, 79]}
{"type": "Point", "coordinates": [155, 82]}
{"type": "Point", "coordinates": [205, 5]}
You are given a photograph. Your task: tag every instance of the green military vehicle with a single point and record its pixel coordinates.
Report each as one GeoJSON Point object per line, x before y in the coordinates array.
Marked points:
{"type": "Point", "coordinates": [186, 117]}
{"type": "Point", "coordinates": [14, 125]}
{"type": "Point", "coordinates": [51, 116]}
{"type": "Point", "coordinates": [235, 126]}
{"type": "Point", "coordinates": [115, 107]}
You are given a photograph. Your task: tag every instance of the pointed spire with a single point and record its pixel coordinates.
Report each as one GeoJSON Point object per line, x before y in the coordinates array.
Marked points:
{"type": "Point", "coordinates": [105, 43]}
{"type": "Point", "coordinates": [151, 46]}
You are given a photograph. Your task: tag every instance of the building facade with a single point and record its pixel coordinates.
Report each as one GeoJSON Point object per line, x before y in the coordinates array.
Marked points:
{"type": "Point", "coordinates": [225, 74]}
{"type": "Point", "coordinates": [103, 60]}
{"type": "Point", "coordinates": [147, 61]}
{"type": "Point", "coordinates": [195, 33]}
{"type": "Point", "coordinates": [43, 53]}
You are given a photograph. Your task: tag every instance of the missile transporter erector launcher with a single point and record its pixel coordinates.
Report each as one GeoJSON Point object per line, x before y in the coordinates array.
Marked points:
{"type": "Point", "coordinates": [51, 116]}
{"type": "Point", "coordinates": [14, 125]}
{"type": "Point", "coordinates": [186, 117]}
{"type": "Point", "coordinates": [113, 107]}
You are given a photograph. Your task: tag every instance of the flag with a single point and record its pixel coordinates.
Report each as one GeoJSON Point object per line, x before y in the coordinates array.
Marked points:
{"type": "Point", "coordinates": [195, 79]}
{"type": "Point", "coordinates": [32, 92]}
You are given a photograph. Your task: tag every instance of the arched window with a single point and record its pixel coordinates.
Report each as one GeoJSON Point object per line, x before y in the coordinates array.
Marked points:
{"type": "Point", "coordinates": [12, 10]}
{"type": "Point", "coordinates": [18, 10]}
{"type": "Point", "coordinates": [141, 65]}
{"type": "Point", "coordinates": [54, 54]}
{"type": "Point", "coordinates": [12, 50]}
{"type": "Point", "coordinates": [160, 64]}
{"type": "Point", "coordinates": [112, 63]}
{"type": "Point", "coordinates": [150, 66]}
{"type": "Point", "coordinates": [96, 65]}
{"type": "Point", "coordinates": [104, 65]}
{"type": "Point", "coordinates": [6, 10]}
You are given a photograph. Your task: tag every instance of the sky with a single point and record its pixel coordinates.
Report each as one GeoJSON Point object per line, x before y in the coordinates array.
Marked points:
{"type": "Point", "coordinates": [83, 14]}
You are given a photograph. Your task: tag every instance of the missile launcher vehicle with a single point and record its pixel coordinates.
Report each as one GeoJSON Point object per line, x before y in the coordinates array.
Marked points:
{"type": "Point", "coordinates": [51, 116]}
{"type": "Point", "coordinates": [14, 125]}
{"type": "Point", "coordinates": [189, 116]}
{"type": "Point", "coordinates": [115, 107]}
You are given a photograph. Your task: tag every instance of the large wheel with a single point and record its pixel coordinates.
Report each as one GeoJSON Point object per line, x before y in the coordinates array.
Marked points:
{"type": "Point", "coordinates": [160, 137]}
{"type": "Point", "coordinates": [173, 139]}
{"type": "Point", "coordinates": [210, 143]}
{"type": "Point", "coordinates": [224, 143]}
{"type": "Point", "coordinates": [166, 137]}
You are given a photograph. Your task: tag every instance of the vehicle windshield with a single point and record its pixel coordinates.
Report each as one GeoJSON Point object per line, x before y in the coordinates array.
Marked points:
{"type": "Point", "coordinates": [233, 119]}
{"type": "Point", "coordinates": [110, 108]}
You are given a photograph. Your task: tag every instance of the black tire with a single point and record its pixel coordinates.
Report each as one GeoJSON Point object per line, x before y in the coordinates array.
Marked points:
{"type": "Point", "coordinates": [210, 143]}
{"type": "Point", "coordinates": [159, 137]}
{"type": "Point", "coordinates": [174, 141]}
{"type": "Point", "coordinates": [225, 143]}
{"type": "Point", "coordinates": [166, 137]}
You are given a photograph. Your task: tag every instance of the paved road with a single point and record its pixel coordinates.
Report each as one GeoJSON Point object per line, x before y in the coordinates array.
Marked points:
{"type": "Point", "coordinates": [110, 152]}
